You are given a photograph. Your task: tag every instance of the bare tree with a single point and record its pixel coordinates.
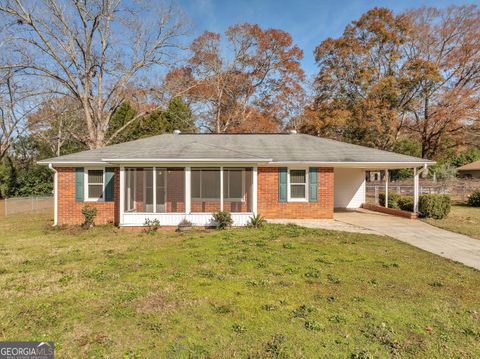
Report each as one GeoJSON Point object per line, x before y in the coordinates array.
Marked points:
{"type": "Point", "coordinates": [91, 51]}
{"type": "Point", "coordinates": [57, 123]}
{"type": "Point", "coordinates": [14, 108]}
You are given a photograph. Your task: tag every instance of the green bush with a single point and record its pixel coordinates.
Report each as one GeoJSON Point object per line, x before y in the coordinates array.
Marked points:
{"type": "Point", "coordinates": [222, 219]}
{"type": "Point", "coordinates": [392, 199]}
{"type": "Point", "coordinates": [256, 221]}
{"type": "Point", "coordinates": [435, 206]}
{"type": "Point", "coordinates": [405, 203]}
{"type": "Point", "coordinates": [89, 213]}
{"type": "Point", "coordinates": [474, 199]}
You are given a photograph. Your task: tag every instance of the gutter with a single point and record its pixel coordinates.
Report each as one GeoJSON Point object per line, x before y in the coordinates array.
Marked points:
{"type": "Point", "coordinates": [177, 160]}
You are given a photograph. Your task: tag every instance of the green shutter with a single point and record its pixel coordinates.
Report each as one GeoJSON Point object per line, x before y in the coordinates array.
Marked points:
{"type": "Point", "coordinates": [79, 189]}
{"type": "Point", "coordinates": [312, 184]}
{"type": "Point", "coordinates": [109, 184]}
{"type": "Point", "coordinates": [282, 184]}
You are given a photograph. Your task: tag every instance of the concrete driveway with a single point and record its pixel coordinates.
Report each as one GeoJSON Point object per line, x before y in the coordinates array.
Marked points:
{"type": "Point", "coordinates": [417, 233]}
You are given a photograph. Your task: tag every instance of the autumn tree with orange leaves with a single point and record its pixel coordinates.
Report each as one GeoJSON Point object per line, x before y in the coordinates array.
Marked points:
{"type": "Point", "coordinates": [255, 88]}
{"type": "Point", "coordinates": [416, 74]}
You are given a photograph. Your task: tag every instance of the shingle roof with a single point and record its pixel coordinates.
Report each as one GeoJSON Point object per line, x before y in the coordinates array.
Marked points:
{"type": "Point", "coordinates": [237, 147]}
{"type": "Point", "coordinates": [474, 166]}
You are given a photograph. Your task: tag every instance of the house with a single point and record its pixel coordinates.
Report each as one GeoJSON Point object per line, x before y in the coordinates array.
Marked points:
{"type": "Point", "coordinates": [470, 170]}
{"type": "Point", "coordinates": [171, 177]}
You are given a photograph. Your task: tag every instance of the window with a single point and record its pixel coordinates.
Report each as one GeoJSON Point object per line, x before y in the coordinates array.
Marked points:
{"type": "Point", "coordinates": [94, 187]}
{"type": "Point", "coordinates": [298, 185]}
{"type": "Point", "coordinates": [234, 184]}
{"type": "Point", "coordinates": [205, 183]}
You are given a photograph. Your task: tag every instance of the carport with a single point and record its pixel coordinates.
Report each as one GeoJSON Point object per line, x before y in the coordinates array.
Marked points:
{"type": "Point", "coordinates": [350, 182]}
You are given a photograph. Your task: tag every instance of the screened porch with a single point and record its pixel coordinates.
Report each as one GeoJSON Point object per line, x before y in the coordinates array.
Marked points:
{"type": "Point", "coordinates": [171, 194]}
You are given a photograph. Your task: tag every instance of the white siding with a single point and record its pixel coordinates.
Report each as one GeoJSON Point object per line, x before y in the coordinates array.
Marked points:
{"type": "Point", "coordinates": [349, 188]}
{"type": "Point", "coordinates": [173, 219]}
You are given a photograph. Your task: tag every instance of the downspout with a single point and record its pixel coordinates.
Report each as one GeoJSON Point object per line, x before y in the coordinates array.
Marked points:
{"type": "Point", "coordinates": [55, 194]}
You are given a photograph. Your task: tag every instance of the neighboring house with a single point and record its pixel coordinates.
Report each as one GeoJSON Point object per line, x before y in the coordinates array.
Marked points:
{"type": "Point", "coordinates": [470, 170]}
{"type": "Point", "coordinates": [175, 176]}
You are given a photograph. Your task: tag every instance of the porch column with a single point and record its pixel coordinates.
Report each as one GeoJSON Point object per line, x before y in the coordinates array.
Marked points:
{"type": "Point", "coordinates": [416, 183]}
{"type": "Point", "coordinates": [122, 194]}
{"type": "Point", "coordinates": [386, 188]}
{"type": "Point", "coordinates": [154, 190]}
{"type": "Point", "coordinates": [221, 188]}
{"type": "Point", "coordinates": [254, 190]}
{"type": "Point", "coordinates": [188, 187]}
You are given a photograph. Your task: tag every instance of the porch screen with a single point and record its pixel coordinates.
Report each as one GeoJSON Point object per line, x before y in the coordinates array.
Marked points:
{"type": "Point", "coordinates": [154, 190]}
{"type": "Point", "coordinates": [205, 183]}
{"type": "Point", "coordinates": [237, 189]}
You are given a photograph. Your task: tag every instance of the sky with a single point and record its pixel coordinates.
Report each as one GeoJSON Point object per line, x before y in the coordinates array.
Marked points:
{"type": "Point", "coordinates": [309, 22]}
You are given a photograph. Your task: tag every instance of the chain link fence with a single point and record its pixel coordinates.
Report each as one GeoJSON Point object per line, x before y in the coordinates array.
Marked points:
{"type": "Point", "coordinates": [10, 206]}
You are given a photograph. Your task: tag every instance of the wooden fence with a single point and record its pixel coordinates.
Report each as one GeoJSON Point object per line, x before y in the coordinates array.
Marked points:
{"type": "Point", "coordinates": [458, 190]}
{"type": "Point", "coordinates": [10, 206]}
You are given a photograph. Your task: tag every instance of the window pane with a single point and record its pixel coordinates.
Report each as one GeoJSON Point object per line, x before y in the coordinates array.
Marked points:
{"type": "Point", "coordinates": [211, 183]}
{"type": "Point", "coordinates": [297, 191]}
{"type": "Point", "coordinates": [95, 176]}
{"type": "Point", "coordinates": [95, 190]}
{"type": "Point", "coordinates": [233, 186]}
{"type": "Point", "coordinates": [297, 176]}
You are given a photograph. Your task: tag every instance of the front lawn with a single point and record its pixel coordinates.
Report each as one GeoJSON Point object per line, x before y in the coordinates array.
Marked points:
{"type": "Point", "coordinates": [462, 219]}
{"type": "Point", "coordinates": [282, 291]}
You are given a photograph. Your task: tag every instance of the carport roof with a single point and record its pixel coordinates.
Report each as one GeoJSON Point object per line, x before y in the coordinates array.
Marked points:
{"type": "Point", "coordinates": [474, 166]}
{"type": "Point", "coordinates": [254, 148]}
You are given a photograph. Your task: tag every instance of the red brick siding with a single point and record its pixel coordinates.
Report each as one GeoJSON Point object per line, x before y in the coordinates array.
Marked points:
{"type": "Point", "coordinates": [70, 211]}
{"type": "Point", "coordinates": [269, 206]}
{"type": "Point", "coordinates": [205, 206]}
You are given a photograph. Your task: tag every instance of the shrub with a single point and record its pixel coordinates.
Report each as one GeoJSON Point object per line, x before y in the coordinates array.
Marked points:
{"type": "Point", "coordinates": [405, 203]}
{"type": "Point", "coordinates": [392, 199]}
{"type": "Point", "coordinates": [89, 213]}
{"type": "Point", "coordinates": [474, 199]}
{"type": "Point", "coordinates": [151, 226]}
{"type": "Point", "coordinates": [256, 221]}
{"type": "Point", "coordinates": [222, 219]}
{"type": "Point", "coordinates": [435, 206]}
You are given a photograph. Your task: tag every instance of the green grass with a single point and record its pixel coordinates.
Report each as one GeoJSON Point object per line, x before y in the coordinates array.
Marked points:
{"type": "Point", "coordinates": [278, 292]}
{"type": "Point", "coordinates": [462, 219]}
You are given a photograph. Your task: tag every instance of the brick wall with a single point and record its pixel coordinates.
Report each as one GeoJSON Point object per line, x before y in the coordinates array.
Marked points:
{"type": "Point", "coordinates": [70, 211]}
{"type": "Point", "coordinates": [269, 206]}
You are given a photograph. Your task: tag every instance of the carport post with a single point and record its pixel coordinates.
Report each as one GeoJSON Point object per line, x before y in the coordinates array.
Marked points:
{"type": "Point", "coordinates": [386, 188]}
{"type": "Point", "coordinates": [416, 185]}
{"type": "Point", "coordinates": [416, 182]}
